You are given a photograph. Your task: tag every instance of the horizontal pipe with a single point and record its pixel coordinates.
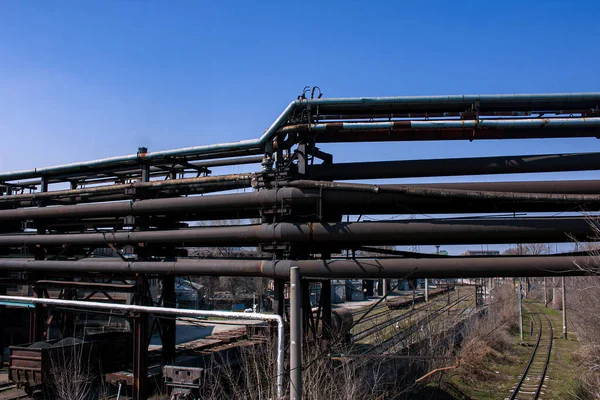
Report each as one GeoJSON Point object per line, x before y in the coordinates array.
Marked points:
{"type": "Point", "coordinates": [128, 308]}
{"type": "Point", "coordinates": [484, 102]}
{"type": "Point", "coordinates": [343, 234]}
{"type": "Point", "coordinates": [456, 166]}
{"type": "Point", "coordinates": [450, 267]}
{"type": "Point", "coordinates": [113, 174]}
{"type": "Point", "coordinates": [454, 194]}
{"type": "Point", "coordinates": [221, 150]}
{"type": "Point", "coordinates": [255, 200]}
{"type": "Point", "coordinates": [504, 123]}
{"type": "Point", "coordinates": [506, 102]}
{"type": "Point", "coordinates": [229, 181]}
{"type": "Point", "coordinates": [387, 135]}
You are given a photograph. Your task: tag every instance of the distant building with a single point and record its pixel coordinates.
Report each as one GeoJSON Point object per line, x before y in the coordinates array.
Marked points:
{"type": "Point", "coordinates": [482, 253]}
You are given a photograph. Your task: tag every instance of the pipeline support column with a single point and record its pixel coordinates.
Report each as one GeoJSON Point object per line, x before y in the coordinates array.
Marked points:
{"type": "Point", "coordinates": [295, 335]}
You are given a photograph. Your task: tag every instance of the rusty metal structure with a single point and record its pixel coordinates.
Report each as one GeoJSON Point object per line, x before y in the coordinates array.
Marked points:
{"type": "Point", "coordinates": [296, 207]}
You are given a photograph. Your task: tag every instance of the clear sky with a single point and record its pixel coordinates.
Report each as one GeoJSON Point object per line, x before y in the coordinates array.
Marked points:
{"type": "Point", "coordinates": [81, 80]}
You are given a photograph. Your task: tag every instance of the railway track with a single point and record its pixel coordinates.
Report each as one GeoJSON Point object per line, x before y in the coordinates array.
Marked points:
{"type": "Point", "coordinates": [532, 380]}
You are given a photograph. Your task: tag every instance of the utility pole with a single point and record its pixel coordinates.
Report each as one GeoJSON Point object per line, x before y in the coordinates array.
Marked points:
{"type": "Point", "coordinates": [553, 292]}
{"type": "Point", "coordinates": [520, 312]}
{"type": "Point", "coordinates": [545, 294]}
{"type": "Point", "coordinates": [564, 308]}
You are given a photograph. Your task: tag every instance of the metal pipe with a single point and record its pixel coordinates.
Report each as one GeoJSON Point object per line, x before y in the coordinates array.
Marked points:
{"type": "Point", "coordinates": [513, 102]}
{"type": "Point", "coordinates": [448, 267]}
{"type": "Point", "coordinates": [457, 124]}
{"type": "Point", "coordinates": [289, 196]}
{"type": "Point", "coordinates": [456, 166]}
{"type": "Point", "coordinates": [178, 205]}
{"type": "Point", "coordinates": [91, 305]}
{"type": "Point", "coordinates": [396, 135]}
{"type": "Point", "coordinates": [254, 146]}
{"type": "Point", "coordinates": [295, 335]}
{"type": "Point", "coordinates": [485, 102]}
{"type": "Point", "coordinates": [447, 193]}
{"type": "Point", "coordinates": [341, 234]}
{"type": "Point", "coordinates": [230, 181]}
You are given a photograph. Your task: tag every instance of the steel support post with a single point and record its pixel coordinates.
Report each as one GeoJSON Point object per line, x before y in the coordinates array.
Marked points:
{"type": "Point", "coordinates": [140, 345]}
{"type": "Point", "coordinates": [2, 316]}
{"type": "Point", "coordinates": [37, 319]}
{"type": "Point", "coordinates": [426, 290]}
{"type": "Point", "coordinates": [168, 325]}
{"type": "Point", "coordinates": [307, 317]}
{"type": "Point", "coordinates": [326, 309]}
{"type": "Point", "coordinates": [295, 335]}
{"type": "Point", "coordinates": [564, 308]}
{"type": "Point", "coordinates": [279, 297]}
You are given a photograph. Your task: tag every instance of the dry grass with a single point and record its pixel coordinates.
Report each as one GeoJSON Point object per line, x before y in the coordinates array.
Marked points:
{"type": "Point", "coordinates": [487, 341]}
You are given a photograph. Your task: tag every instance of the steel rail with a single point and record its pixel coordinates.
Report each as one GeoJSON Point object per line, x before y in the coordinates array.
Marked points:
{"type": "Point", "coordinates": [547, 361]}
{"type": "Point", "coordinates": [515, 391]}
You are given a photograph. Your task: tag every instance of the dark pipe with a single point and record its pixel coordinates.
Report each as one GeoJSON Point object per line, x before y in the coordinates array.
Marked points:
{"type": "Point", "coordinates": [450, 267]}
{"type": "Point", "coordinates": [456, 166]}
{"type": "Point", "coordinates": [347, 202]}
{"type": "Point", "coordinates": [385, 135]}
{"type": "Point", "coordinates": [464, 231]}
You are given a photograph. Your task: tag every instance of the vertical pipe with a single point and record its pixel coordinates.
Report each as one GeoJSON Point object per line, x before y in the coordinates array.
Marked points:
{"type": "Point", "coordinates": [426, 290]}
{"type": "Point", "coordinates": [295, 335]}
{"type": "Point", "coordinates": [385, 288]}
{"type": "Point", "coordinates": [564, 308]}
{"type": "Point", "coordinates": [520, 311]}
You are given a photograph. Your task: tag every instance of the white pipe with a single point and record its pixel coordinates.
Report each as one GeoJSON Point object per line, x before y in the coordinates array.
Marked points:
{"type": "Point", "coordinates": [172, 311]}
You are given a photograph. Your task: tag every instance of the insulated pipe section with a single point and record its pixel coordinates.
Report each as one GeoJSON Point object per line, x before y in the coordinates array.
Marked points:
{"type": "Point", "coordinates": [344, 234]}
{"type": "Point", "coordinates": [456, 166]}
{"type": "Point", "coordinates": [447, 267]}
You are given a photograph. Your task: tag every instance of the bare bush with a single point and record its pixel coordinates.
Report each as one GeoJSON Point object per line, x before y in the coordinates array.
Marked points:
{"type": "Point", "coordinates": [72, 373]}
{"type": "Point", "coordinates": [487, 339]}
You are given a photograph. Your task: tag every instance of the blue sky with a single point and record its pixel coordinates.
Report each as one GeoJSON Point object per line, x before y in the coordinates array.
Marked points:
{"type": "Point", "coordinates": [84, 80]}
